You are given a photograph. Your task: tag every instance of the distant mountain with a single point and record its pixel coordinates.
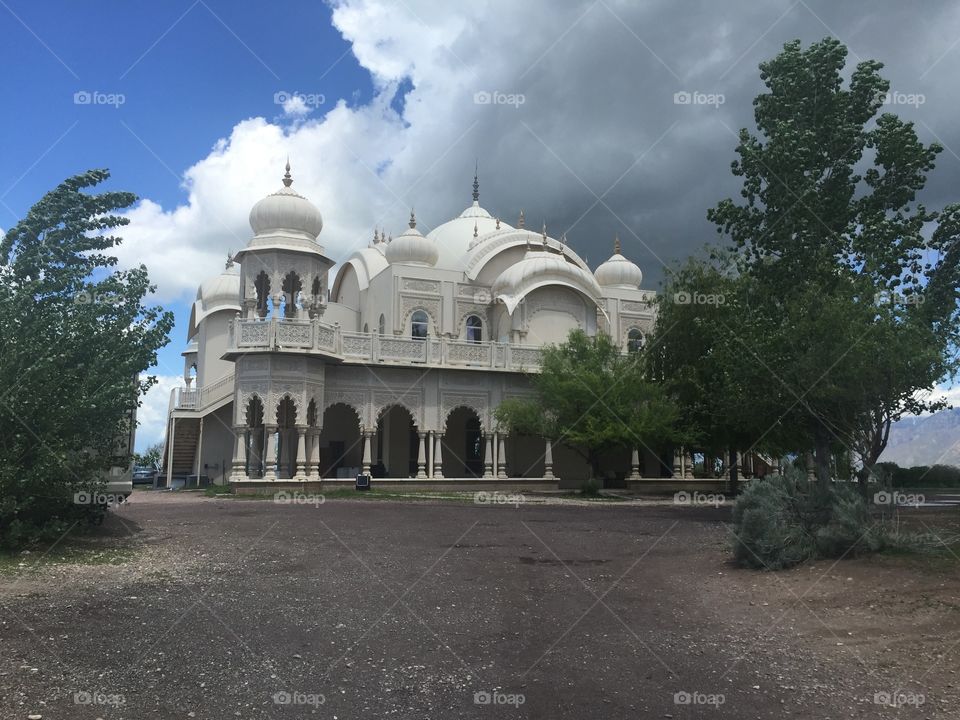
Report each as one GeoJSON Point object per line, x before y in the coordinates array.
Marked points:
{"type": "Point", "coordinates": [928, 440]}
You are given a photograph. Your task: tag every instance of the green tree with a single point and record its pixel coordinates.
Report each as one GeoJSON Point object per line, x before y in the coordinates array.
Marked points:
{"type": "Point", "coordinates": [593, 398]}
{"type": "Point", "coordinates": [839, 254]}
{"type": "Point", "coordinates": [75, 335]}
{"type": "Point", "coordinates": [152, 458]}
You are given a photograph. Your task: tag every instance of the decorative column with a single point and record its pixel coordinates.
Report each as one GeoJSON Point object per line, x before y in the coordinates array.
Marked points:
{"type": "Point", "coordinates": [430, 454]}
{"type": "Point", "coordinates": [240, 454]}
{"type": "Point", "coordinates": [677, 470]}
{"type": "Point", "coordinates": [501, 457]}
{"type": "Point", "coordinates": [313, 456]}
{"type": "Point", "coordinates": [438, 457]}
{"type": "Point", "coordinates": [811, 472]}
{"type": "Point", "coordinates": [301, 473]}
{"type": "Point", "coordinates": [270, 458]}
{"type": "Point", "coordinates": [687, 464]}
{"type": "Point", "coordinates": [548, 461]}
{"type": "Point", "coordinates": [635, 464]}
{"type": "Point", "coordinates": [422, 457]}
{"type": "Point", "coordinates": [367, 435]}
{"type": "Point", "coordinates": [488, 455]}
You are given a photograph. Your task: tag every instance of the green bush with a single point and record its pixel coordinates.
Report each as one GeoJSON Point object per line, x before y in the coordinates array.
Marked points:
{"type": "Point", "coordinates": [590, 488]}
{"type": "Point", "coordinates": [919, 476]}
{"type": "Point", "coordinates": [781, 522]}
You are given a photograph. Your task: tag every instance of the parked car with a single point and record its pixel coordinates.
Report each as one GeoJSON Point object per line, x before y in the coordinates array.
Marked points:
{"type": "Point", "coordinates": [143, 475]}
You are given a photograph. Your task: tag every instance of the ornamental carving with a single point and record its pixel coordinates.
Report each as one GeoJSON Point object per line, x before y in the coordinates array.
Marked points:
{"type": "Point", "coordinates": [631, 306]}
{"type": "Point", "coordinates": [425, 286]}
{"type": "Point", "coordinates": [294, 333]}
{"type": "Point", "coordinates": [430, 306]}
{"type": "Point", "coordinates": [358, 346]}
{"type": "Point", "coordinates": [468, 352]}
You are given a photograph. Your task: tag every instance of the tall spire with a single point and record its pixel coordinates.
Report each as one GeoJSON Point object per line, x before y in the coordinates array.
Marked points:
{"type": "Point", "coordinates": [413, 220]}
{"type": "Point", "coordinates": [287, 180]}
{"type": "Point", "coordinates": [544, 233]}
{"type": "Point", "coordinates": [520, 223]}
{"type": "Point", "coordinates": [476, 182]}
{"type": "Point", "coordinates": [616, 244]}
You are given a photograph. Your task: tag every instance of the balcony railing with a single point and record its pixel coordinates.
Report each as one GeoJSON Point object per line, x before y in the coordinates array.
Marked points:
{"type": "Point", "coordinates": [199, 398]}
{"type": "Point", "coordinates": [315, 337]}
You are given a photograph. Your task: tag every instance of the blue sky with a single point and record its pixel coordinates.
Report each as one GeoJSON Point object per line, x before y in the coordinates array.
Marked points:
{"type": "Point", "coordinates": [599, 146]}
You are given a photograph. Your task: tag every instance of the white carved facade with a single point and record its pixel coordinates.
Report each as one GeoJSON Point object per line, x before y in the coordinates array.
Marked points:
{"type": "Point", "coordinates": [393, 362]}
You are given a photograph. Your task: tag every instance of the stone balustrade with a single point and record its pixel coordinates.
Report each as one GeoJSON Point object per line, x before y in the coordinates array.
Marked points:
{"type": "Point", "coordinates": [317, 338]}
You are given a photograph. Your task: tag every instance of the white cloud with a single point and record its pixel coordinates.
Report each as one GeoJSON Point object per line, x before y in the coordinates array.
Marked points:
{"type": "Point", "coordinates": [152, 414]}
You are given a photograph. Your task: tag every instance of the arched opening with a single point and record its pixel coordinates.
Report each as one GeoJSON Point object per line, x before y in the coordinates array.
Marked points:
{"type": "Point", "coordinates": [382, 325]}
{"type": "Point", "coordinates": [397, 444]}
{"type": "Point", "coordinates": [341, 444]}
{"type": "Point", "coordinates": [315, 289]}
{"type": "Point", "coordinates": [474, 329]}
{"type": "Point", "coordinates": [366, 329]}
{"type": "Point", "coordinates": [292, 285]}
{"type": "Point", "coordinates": [262, 286]}
{"type": "Point", "coordinates": [463, 444]}
{"type": "Point", "coordinates": [286, 438]}
{"type": "Point", "coordinates": [634, 340]}
{"type": "Point", "coordinates": [419, 324]}
{"type": "Point", "coordinates": [256, 438]}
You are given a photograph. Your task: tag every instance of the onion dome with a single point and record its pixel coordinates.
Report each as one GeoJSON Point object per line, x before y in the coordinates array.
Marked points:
{"type": "Point", "coordinates": [287, 213]}
{"type": "Point", "coordinates": [539, 268]}
{"type": "Point", "coordinates": [618, 272]}
{"type": "Point", "coordinates": [412, 248]}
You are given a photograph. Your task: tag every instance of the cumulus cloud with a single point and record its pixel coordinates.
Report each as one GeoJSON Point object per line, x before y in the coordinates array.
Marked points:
{"type": "Point", "coordinates": [599, 143]}
{"type": "Point", "coordinates": [152, 414]}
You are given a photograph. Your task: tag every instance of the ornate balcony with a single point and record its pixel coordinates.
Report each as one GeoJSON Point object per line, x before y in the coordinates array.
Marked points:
{"type": "Point", "coordinates": [313, 337]}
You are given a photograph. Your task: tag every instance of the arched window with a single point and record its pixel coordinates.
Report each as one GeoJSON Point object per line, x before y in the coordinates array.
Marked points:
{"type": "Point", "coordinates": [292, 285]}
{"type": "Point", "coordinates": [634, 340]}
{"type": "Point", "coordinates": [382, 325]}
{"type": "Point", "coordinates": [474, 329]}
{"type": "Point", "coordinates": [419, 323]}
{"type": "Point", "coordinates": [262, 286]}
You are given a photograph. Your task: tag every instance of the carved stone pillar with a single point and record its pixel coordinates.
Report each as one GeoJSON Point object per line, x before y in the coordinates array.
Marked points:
{"type": "Point", "coordinates": [270, 457]}
{"type": "Point", "coordinates": [488, 455]}
{"type": "Point", "coordinates": [501, 457]}
{"type": "Point", "coordinates": [422, 457]}
{"type": "Point", "coordinates": [438, 457]}
{"type": "Point", "coordinates": [635, 464]}
{"type": "Point", "coordinates": [548, 461]}
{"type": "Point", "coordinates": [677, 470]}
{"type": "Point", "coordinates": [367, 435]}
{"type": "Point", "coordinates": [687, 458]}
{"type": "Point", "coordinates": [301, 473]}
{"type": "Point", "coordinates": [313, 454]}
{"type": "Point", "coordinates": [240, 454]}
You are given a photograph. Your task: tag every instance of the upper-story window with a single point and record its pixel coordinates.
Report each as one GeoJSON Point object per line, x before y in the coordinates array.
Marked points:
{"type": "Point", "coordinates": [634, 340]}
{"type": "Point", "coordinates": [474, 329]}
{"type": "Point", "coordinates": [419, 323]}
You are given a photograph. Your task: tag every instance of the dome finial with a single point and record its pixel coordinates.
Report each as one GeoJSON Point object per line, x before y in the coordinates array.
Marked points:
{"type": "Point", "coordinates": [229, 260]}
{"type": "Point", "coordinates": [520, 222]}
{"type": "Point", "coordinates": [543, 232]}
{"type": "Point", "coordinates": [476, 182]}
{"type": "Point", "coordinates": [413, 220]}
{"type": "Point", "coordinates": [616, 243]}
{"type": "Point", "coordinates": [475, 229]}
{"type": "Point", "coordinates": [287, 180]}
{"type": "Point", "coordinates": [498, 223]}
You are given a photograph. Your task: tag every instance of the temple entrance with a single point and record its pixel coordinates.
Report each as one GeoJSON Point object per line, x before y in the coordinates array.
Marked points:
{"type": "Point", "coordinates": [463, 444]}
{"type": "Point", "coordinates": [397, 444]}
{"type": "Point", "coordinates": [341, 444]}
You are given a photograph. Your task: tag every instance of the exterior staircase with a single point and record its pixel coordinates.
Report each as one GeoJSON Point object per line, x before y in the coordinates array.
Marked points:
{"type": "Point", "coordinates": [186, 434]}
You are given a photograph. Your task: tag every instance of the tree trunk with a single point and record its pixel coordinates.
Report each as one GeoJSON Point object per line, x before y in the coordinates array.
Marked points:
{"type": "Point", "coordinates": [821, 437]}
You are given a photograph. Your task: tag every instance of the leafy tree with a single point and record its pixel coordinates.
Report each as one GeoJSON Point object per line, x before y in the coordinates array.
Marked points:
{"type": "Point", "coordinates": [839, 254]}
{"type": "Point", "coordinates": [593, 398]}
{"type": "Point", "coordinates": [74, 336]}
{"type": "Point", "coordinates": [152, 458]}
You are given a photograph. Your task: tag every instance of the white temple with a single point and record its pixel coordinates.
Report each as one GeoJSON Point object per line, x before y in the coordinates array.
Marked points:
{"type": "Point", "coordinates": [397, 366]}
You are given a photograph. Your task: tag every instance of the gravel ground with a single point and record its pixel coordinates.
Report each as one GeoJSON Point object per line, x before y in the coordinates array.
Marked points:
{"type": "Point", "coordinates": [230, 608]}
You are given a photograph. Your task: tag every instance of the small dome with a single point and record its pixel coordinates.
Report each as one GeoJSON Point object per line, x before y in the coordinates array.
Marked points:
{"type": "Point", "coordinates": [221, 291]}
{"type": "Point", "coordinates": [618, 271]}
{"type": "Point", "coordinates": [537, 269]}
{"type": "Point", "coordinates": [286, 212]}
{"type": "Point", "coordinates": [412, 247]}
